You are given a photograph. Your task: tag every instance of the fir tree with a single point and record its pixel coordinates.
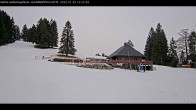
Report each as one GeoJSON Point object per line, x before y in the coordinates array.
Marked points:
{"type": "Point", "coordinates": [172, 54]}
{"type": "Point", "coordinates": [29, 35]}
{"type": "Point", "coordinates": [32, 34]}
{"type": "Point", "coordinates": [182, 58]}
{"type": "Point", "coordinates": [24, 34]}
{"type": "Point", "coordinates": [54, 33]}
{"type": "Point", "coordinates": [44, 35]}
{"type": "Point", "coordinates": [3, 32]}
{"type": "Point", "coordinates": [6, 28]}
{"type": "Point", "coordinates": [17, 32]}
{"type": "Point", "coordinates": [160, 46]}
{"type": "Point", "coordinates": [130, 43]}
{"type": "Point", "coordinates": [192, 43]}
{"type": "Point", "coordinates": [12, 31]}
{"type": "Point", "coordinates": [192, 46]}
{"type": "Point", "coordinates": [103, 54]}
{"type": "Point", "coordinates": [97, 54]}
{"type": "Point", "coordinates": [67, 40]}
{"type": "Point", "coordinates": [149, 44]}
{"type": "Point", "coordinates": [38, 26]}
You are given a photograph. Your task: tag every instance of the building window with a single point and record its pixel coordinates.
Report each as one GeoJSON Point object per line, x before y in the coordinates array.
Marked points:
{"type": "Point", "coordinates": [135, 58]}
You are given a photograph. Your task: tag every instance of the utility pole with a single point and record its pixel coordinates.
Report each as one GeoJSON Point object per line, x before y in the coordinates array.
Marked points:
{"type": "Point", "coordinates": [129, 57]}
{"type": "Point", "coordinates": [129, 60]}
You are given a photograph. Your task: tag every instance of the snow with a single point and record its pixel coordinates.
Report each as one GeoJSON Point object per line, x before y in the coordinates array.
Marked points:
{"type": "Point", "coordinates": [26, 80]}
{"type": "Point", "coordinates": [97, 57]}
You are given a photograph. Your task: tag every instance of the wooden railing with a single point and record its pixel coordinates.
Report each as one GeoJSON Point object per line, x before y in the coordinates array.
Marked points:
{"type": "Point", "coordinates": [145, 62]}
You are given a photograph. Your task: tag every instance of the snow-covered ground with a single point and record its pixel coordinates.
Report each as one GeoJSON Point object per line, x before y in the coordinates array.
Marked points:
{"type": "Point", "coordinates": [26, 80]}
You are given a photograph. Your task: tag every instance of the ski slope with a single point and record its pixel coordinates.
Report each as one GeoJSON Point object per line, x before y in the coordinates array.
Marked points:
{"type": "Point", "coordinates": [26, 80]}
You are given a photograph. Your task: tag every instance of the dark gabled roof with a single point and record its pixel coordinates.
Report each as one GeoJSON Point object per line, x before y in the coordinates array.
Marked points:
{"type": "Point", "coordinates": [126, 50]}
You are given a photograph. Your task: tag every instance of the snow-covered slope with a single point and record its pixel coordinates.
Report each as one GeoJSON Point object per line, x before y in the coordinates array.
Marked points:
{"type": "Point", "coordinates": [26, 80]}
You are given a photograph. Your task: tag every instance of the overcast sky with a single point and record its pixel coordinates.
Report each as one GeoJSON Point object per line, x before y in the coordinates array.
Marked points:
{"type": "Point", "coordinates": [105, 29]}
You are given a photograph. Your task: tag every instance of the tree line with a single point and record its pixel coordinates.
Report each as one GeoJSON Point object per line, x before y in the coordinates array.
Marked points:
{"type": "Point", "coordinates": [44, 34]}
{"type": "Point", "coordinates": [186, 46]}
{"type": "Point", "coordinates": [9, 32]}
{"type": "Point", "coordinates": [158, 50]}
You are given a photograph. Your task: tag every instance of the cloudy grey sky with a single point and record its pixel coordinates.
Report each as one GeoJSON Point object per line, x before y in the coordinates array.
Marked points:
{"type": "Point", "coordinates": [105, 29]}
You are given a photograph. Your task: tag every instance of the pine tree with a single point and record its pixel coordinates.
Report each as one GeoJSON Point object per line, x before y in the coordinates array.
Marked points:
{"type": "Point", "coordinates": [47, 35]}
{"type": "Point", "coordinates": [97, 54]}
{"type": "Point", "coordinates": [3, 33]}
{"type": "Point", "coordinates": [192, 43]}
{"type": "Point", "coordinates": [149, 44]}
{"type": "Point", "coordinates": [17, 32]}
{"type": "Point", "coordinates": [160, 46]}
{"type": "Point", "coordinates": [34, 33]}
{"type": "Point", "coordinates": [130, 43]}
{"type": "Point", "coordinates": [6, 28]}
{"type": "Point", "coordinates": [164, 49]}
{"type": "Point", "coordinates": [24, 34]}
{"type": "Point", "coordinates": [29, 35]}
{"type": "Point", "coordinates": [172, 54]}
{"type": "Point", "coordinates": [54, 33]}
{"type": "Point", "coordinates": [43, 33]}
{"type": "Point", "coordinates": [67, 40]}
{"type": "Point", "coordinates": [156, 46]}
{"type": "Point", "coordinates": [182, 57]}
{"type": "Point", "coordinates": [192, 46]}
{"type": "Point", "coordinates": [103, 54]}
{"type": "Point", "coordinates": [12, 30]}
{"type": "Point", "coordinates": [38, 26]}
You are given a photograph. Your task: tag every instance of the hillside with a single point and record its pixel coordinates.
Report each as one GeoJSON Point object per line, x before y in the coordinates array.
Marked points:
{"type": "Point", "coordinates": [26, 80]}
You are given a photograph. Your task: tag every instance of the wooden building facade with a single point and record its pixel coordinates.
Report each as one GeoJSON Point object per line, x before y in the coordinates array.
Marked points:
{"type": "Point", "coordinates": [129, 58]}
